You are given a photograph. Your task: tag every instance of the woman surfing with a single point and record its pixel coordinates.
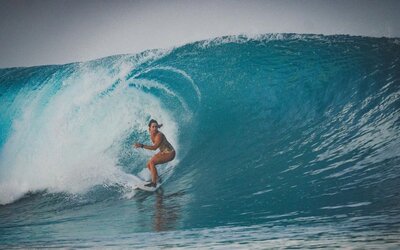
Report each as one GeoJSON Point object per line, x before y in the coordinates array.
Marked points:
{"type": "Point", "coordinates": [166, 154]}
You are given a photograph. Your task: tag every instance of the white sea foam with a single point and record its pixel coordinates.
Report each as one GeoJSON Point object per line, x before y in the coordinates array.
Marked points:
{"type": "Point", "coordinates": [71, 142]}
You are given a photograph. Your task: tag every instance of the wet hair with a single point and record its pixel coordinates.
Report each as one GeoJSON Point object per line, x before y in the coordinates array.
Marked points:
{"type": "Point", "coordinates": [154, 121]}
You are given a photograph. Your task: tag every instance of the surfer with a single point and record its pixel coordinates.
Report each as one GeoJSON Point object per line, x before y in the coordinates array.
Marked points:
{"type": "Point", "coordinates": [166, 154]}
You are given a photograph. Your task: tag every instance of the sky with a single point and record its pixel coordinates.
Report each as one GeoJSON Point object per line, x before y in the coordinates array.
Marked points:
{"type": "Point", "coordinates": [42, 32]}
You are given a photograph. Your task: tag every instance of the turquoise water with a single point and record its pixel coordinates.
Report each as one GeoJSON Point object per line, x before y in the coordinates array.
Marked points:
{"type": "Point", "coordinates": [283, 140]}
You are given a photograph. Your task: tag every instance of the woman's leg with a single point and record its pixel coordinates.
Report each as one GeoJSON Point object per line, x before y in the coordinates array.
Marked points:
{"type": "Point", "coordinates": [159, 158]}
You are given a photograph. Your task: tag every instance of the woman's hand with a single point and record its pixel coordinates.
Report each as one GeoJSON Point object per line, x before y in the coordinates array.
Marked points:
{"type": "Point", "coordinates": [138, 145]}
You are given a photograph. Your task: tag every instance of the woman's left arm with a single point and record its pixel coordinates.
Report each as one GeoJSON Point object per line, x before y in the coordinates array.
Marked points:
{"type": "Point", "coordinates": [157, 143]}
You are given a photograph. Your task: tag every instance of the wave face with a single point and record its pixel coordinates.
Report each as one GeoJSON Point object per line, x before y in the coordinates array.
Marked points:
{"type": "Point", "coordinates": [292, 136]}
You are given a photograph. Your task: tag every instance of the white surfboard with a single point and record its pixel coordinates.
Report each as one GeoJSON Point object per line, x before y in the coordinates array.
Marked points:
{"type": "Point", "coordinates": [149, 189]}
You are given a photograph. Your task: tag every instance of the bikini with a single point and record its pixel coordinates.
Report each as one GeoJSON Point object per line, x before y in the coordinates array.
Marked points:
{"type": "Point", "coordinates": [165, 146]}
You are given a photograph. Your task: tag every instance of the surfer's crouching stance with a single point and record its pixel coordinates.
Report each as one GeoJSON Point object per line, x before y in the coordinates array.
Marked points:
{"type": "Point", "coordinates": [166, 154]}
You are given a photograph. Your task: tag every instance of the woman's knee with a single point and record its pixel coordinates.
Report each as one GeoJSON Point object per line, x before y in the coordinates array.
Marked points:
{"type": "Point", "coordinates": [151, 163]}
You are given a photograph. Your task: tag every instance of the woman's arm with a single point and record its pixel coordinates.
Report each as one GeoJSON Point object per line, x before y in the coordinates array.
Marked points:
{"type": "Point", "coordinates": [156, 145]}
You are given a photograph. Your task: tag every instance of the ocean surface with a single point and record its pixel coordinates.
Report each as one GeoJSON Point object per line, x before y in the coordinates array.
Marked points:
{"type": "Point", "coordinates": [283, 141]}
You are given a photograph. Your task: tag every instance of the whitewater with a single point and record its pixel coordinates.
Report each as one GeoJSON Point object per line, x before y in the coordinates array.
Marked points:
{"type": "Point", "coordinates": [282, 140]}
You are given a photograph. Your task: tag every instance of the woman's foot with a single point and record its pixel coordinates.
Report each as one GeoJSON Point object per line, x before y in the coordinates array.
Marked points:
{"type": "Point", "coordinates": [150, 184]}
